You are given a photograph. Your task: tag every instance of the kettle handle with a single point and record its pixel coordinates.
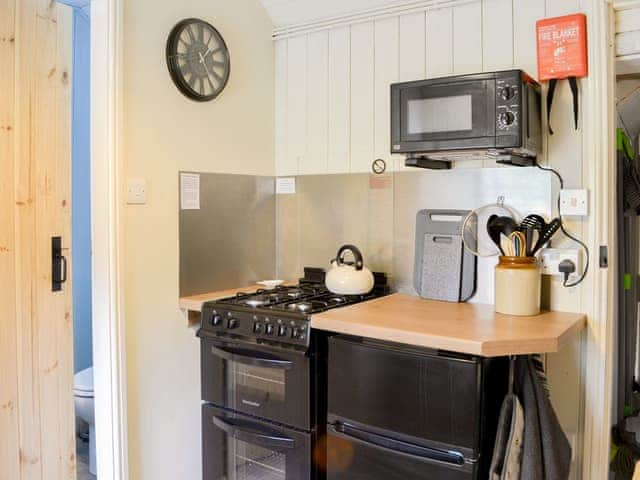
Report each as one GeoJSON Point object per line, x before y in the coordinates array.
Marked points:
{"type": "Point", "coordinates": [357, 255]}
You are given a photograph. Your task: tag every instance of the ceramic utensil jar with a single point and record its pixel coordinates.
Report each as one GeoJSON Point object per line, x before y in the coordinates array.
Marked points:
{"type": "Point", "coordinates": [517, 286]}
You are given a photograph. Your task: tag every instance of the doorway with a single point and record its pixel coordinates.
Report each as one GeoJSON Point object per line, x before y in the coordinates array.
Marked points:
{"type": "Point", "coordinates": [81, 239]}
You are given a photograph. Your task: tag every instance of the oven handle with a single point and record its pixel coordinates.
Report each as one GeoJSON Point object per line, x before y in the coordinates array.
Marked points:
{"type": "Point", "coordinates": [397, 447]}
{"type": "Point", "coordinates": [252, 357]}
{"type": "Point", "coordinates": [266, 438]}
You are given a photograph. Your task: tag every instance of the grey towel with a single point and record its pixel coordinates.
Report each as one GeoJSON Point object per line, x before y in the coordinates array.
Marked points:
{"type": "Point", "coordinates": [546, 452]}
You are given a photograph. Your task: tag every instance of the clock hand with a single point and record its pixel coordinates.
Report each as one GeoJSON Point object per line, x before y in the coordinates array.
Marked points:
{"type": "Point", "coordinates": [206, 69]}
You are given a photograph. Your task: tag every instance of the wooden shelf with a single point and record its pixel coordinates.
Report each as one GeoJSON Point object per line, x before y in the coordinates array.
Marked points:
{"type": "Point", "coordinates": [460, 327]}
{"type": "Point", "coordinates": [193, 304]}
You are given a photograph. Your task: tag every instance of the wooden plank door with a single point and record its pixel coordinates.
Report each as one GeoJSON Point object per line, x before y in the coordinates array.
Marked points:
{"type": "Point", "coordinates": [37, 434]}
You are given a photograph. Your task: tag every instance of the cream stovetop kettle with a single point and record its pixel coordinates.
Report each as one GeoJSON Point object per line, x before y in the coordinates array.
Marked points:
{"type": "Point", "coordinates": [349, 278]}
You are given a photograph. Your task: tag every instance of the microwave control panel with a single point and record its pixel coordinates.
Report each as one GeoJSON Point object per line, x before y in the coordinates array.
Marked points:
{"type": "Point", "coordinates": [508, 101]}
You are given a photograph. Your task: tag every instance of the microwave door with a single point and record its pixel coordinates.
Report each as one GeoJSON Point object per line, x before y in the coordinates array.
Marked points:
{"type": "Point", "coordinates": [449, 116]}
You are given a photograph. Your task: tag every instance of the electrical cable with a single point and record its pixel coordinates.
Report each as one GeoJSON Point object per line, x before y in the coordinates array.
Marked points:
{"type": "Point", "coordinates": [566, 233]}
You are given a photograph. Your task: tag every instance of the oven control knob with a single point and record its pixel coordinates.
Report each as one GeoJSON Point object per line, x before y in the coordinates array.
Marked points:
{"type": "Point", "coordinates": [297, 333]}
{"type": "Point", "coordinates": [269, 329]}
{"type": "Point", "coordinates": [257, 327]}
{"type": "Point", "coordinates": [232, 323]}
{"type": "Point", "coordinates": [506, 118]}
{"type": "Point", "coordinates": [507, 93]}
{"type": "Point", "coordinates": [215, 319]}
{"type": "Point", "coordinates": [282, 331]}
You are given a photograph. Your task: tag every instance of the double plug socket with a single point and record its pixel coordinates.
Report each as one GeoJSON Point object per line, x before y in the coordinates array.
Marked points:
{"type": "Point", "coordinates": [552, 257]}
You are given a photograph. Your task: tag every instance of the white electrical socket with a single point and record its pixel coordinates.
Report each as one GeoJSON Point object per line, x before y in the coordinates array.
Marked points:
{"type": "Point", "coordinates": [551, 258]}
{"type": "Point", "coordinates": [574, 202]}
{"type": "Point", "coordinates": [136, 191]}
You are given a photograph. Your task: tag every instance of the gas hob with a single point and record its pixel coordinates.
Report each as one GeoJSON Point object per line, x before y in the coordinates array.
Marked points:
{"type": "Point", "coordinates": [280, 315]}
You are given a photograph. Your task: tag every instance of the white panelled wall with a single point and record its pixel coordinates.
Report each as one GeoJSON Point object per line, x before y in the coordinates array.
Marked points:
{"type": "Point", "coordinates": [332, 85]}
{"type": "Point", "coordinates": [332, 114]}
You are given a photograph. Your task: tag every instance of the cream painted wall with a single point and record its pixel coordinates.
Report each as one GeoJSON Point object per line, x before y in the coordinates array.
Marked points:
{"type": "Point", "coordinates": [165, 133]}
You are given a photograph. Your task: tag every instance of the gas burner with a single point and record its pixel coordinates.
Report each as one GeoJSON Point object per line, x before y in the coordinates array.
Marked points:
{"type": "Point", "coordinates": [300, 307]}
{"type": "Point", "coordinates": [254, 302]}
{"type": "Point", "coordinates": [338, 300]}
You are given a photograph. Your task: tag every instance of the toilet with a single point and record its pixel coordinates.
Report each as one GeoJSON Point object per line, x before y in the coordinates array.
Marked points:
{"type": "Point", "coordinates": [83, 394]}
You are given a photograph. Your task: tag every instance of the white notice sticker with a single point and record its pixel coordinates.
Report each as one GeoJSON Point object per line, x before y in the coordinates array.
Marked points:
{"type": "Point", "coordinates": [189, 191]}
{"type": "Point", "coordinates": [285, 185]}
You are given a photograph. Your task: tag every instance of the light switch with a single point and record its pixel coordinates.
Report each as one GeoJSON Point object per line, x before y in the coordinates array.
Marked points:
{"type": "Point", "coordinates": [574, 202]}
{"type": "Point", "coordinates": [136, 191]}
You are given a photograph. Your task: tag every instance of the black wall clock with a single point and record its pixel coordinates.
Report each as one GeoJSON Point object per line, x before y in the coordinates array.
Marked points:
{"type": "Point", "coordinates": [198, 59]}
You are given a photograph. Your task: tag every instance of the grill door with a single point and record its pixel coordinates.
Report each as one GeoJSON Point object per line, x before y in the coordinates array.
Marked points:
{"type": "Point", "coordinates": [257, 380]}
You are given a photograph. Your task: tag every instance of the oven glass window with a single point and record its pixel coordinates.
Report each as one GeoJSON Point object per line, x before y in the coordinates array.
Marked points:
{"type": "Point", "coordinates": [440, 114]}
{"type": "Point", "coordinates": [255, 386]}
{"type": "Point", "coordinates": [251, 462]}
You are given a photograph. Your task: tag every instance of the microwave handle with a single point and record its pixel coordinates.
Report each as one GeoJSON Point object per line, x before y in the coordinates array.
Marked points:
{"type": "Point", "coordinates": [251, 357]}
{"type": "Point", "coordinates": [397, 447]}
{"type": "Point", "coordinates": [268, 439]}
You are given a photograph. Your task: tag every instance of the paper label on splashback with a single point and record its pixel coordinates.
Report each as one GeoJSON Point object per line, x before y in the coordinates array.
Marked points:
{"type": "Point", "coordinates": [285, 186]}
{"type": "Point", "coordinates": [189, 191]}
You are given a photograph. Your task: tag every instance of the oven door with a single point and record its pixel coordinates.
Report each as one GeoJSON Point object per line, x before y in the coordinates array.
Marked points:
{"type": "Point", "coordinates": [265, 382]}
{"type": "Point", "coordinates": [236, 447]}
{"type": "Point", "coordinates": [452, 115]}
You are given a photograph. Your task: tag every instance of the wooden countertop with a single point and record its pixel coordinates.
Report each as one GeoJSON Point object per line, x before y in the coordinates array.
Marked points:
{"type": "Point", "coordinates": [194, 303]}
{"type": "Point", "coordinates": [461, 327]}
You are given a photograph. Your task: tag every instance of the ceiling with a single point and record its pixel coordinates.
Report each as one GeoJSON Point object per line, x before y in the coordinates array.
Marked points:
{"type": "Point", "coordinates": [292, 12]}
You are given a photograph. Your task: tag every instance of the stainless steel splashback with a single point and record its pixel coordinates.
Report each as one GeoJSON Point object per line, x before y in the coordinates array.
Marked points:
{"type": "Point", "coordinates": [245, 232]}
{"type": "Point", "coordinates": [328, 211]}
{"type": "Point", "coordinates": [230, 241]}
{"type": "Point", "coordinates": [378, 214]}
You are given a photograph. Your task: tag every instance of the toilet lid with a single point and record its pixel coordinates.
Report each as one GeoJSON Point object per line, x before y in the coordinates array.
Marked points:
{"type": "Point", "coordinates": [83, 380]}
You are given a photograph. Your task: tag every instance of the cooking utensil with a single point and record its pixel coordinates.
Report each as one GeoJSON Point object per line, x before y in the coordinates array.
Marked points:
{"type": "Point", "coordinates": [349, 278]}
{"type": "Point", "coordinates": [475, 235]}
{"type": "Point", "coordinates": [497, 226]}
{"type": "Point", "coordinates": [495, 232]}
{"type": "Point", "coordinates": [518, 242]}
{"type": "Point", "coordinates": [506, 246]}
{"type": "Point", "coordinates": [532, 225]}
{"type": "Point", "coordinates": [535, 221]}
{"type": "Point", "coordinates": [549, 231]}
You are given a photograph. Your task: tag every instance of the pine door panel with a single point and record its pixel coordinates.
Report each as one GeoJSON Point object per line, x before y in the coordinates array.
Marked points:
{"type": "Point", "coordinates": [36, 378]}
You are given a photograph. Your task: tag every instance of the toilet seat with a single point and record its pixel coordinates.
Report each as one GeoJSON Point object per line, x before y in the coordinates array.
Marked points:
{"type": "Point", "coordinates": [83, 383]}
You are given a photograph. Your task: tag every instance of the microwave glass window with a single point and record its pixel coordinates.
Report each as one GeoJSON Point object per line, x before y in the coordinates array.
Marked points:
{"type": "Point", "coordinates": [440, 114]}
{"type": "Point", "coordinates": [255, 386]}
{"type": "Point", "coordinates": [252, 462]}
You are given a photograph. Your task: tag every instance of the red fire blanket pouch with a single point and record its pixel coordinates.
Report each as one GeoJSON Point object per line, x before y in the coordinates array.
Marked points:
{"type": "Point", "coordinates": [562, 53]}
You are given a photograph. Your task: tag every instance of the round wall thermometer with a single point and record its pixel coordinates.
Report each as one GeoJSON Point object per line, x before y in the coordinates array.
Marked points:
{"type": "Point", "coordinates": [198, 59]}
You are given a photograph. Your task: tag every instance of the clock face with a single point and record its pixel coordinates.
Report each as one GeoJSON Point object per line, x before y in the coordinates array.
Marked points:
{"type": "Point", "coordinates": [198, 59]}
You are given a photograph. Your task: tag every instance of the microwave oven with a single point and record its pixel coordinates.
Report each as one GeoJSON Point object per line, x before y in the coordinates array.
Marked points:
{"type": "Point", "coordinates": [495, 115]}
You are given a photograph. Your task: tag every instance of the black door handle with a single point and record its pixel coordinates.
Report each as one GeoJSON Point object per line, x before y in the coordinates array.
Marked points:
{"type": "Point", "coordinates": [252, 357]}
{"type": "Point", "coordinates": [59, 268]}
{"type": "Point", "coordinates": [256, 434]}
{"type": "Point", "coordinates": [396, 447]}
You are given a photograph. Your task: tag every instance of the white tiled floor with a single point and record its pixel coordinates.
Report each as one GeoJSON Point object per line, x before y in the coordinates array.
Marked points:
{"type": "Point", "coordinates": [82, 449]}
